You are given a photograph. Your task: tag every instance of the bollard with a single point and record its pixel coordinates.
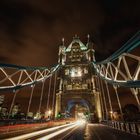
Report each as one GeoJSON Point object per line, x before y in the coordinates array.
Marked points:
{"type": "Point", "coordinates": [133, 128]}
{"type": "Point", "coordinates": [122, 126]}
{"type": "Point", "coordinates": [116, 125]}
{"type": "Point", "coordinates": [138, 128]}
{"type": "Point", "coordinates": [113, 124]}
{"type": "Point", "coordinates": [109, 123]}
{"type": "Point", "coordinates": [119, 126]}
{"type": "Point", "coordinates": [127, 127]}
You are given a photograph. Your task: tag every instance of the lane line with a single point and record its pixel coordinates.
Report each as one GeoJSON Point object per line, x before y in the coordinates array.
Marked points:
{"type": "Point", "coordinates": [57, 133]}
{"type": "Point", "coordinates": [29, 135]}
{"type": "Point", "coordinates": [68, 134]}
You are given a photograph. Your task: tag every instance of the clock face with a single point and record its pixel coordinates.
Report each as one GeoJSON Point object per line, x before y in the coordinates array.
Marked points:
{"type": "Point", "coordinates": [76, 72]}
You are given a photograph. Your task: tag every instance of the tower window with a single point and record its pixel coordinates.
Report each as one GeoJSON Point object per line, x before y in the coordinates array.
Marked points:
{"type": "Point", "coordinates": [85, 70]}
{"type": "Point", "coordinates": [76, 72]}
{"type": "Point", "coordinates": [66, 71]}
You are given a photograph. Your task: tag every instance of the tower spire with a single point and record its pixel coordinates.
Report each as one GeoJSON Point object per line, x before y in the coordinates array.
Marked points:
{"type": "Point", "coordinates": [63, 41]}
{"type": "Point", "coordinates": [88, 37]}
{"type": "Point", "coordinates": [75, 37]}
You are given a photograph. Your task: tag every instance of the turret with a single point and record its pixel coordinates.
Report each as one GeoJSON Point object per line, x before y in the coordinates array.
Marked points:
{"type": "Point", "coordinates": [91, 51]}
{"type": "Point", "coordinates": [61, 54]}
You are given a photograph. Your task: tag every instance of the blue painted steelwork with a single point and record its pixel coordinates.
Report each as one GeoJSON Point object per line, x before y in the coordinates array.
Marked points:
{"type": "Point", "coordinates": [11, 66]}
{"type": "Point", "coordinates": [128, 84]}
{"type": "Point", "coordinates": [134, 42]}
{"type": "Point", "coordinates": [131, 44]}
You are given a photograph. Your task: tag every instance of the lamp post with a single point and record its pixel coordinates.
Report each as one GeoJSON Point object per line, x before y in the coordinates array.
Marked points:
{"type": "Point", "coordinates": [48, 114]}
{"type": "Point", "coordinates": [111, 115]}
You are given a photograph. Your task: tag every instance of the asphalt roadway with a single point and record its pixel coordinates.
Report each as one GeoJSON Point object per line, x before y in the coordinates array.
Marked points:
{"type": "Point", "coordinates": [77, 131]}
{"type": "Point", "coordinates": [102, 132]}
{"type": "Point", "coordinates": [96, 132]}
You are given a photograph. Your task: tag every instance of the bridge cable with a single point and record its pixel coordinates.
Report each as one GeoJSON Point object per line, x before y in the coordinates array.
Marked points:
{"type": "Point", "coordinates": [49, 91]}
{"type": "Point", "coordinates": [135, 93]}
{"type": "Point", "coordinates": [41, 96]}
{"type": "Point", "coordinates": [15, 94]}
{"type": "Point", "coordinates": [106, 110]}
{"type": "Point", "coordinates": [118, 100]}
{"type": "Point", "coordinates": [100, 95]}
{"type": "Point", "coordinates": [54, 94]}
{"type": "Point", "coordinates": [109, 98]}
{"type": "Point", "coordinates": [30, 100]}
{"type": "Point", "coordinates": [103, 101]}
{"type": "Point", "coordinates": [13, 101]}
{"type": "Point", "coordinates": [31, 96]}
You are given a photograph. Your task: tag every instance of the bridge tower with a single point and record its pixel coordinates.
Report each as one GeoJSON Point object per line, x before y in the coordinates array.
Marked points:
{"type": "Point", "coordinates": [77, 91]}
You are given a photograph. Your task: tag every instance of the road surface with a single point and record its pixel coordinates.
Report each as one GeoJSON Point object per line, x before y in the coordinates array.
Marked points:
{"type": "Point", "coordinates": [77, 131]}
{"type": "Point", "coordinates": [102, 132]}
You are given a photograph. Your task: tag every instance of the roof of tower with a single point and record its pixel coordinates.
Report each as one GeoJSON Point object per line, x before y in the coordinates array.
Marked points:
{"type": "Point", "coordinates": [76, 40]}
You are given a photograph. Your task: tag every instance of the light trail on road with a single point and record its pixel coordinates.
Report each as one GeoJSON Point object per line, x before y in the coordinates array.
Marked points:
{"type": "Point", "coordinates": [29, 135]}
{"type": "Point", "coordinates": [45, 134]}
{"type": "Point", "coordinates": [57, 132]}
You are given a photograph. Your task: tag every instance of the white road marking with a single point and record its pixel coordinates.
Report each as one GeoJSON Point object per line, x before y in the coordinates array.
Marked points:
{"type": "Point", "coordinates": [29, 135]}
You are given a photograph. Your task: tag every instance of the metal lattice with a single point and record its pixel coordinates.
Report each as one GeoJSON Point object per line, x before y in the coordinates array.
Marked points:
{"type": "Point", "coordinates": [15, 77]}
{"type": "Point", "coordinates": [122, 68]}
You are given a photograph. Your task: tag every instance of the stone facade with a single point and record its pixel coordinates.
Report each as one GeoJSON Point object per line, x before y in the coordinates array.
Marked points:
{"type": "Point", "coordinates": [76, 78]}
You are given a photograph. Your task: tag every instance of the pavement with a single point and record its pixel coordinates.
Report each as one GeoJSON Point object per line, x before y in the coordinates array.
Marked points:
{"type": "Point", "coordinates": [102, 132]}
{"type": "Point", "coordinates": [75, 131]}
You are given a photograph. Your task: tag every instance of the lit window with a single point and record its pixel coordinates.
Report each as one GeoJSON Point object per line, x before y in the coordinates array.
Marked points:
{"type": "Point", "coordinates": [66, 71]}
{"type": "Point", "coordinates": [85, 70]}
{"type": "Point", "coordinates": [76, 72]}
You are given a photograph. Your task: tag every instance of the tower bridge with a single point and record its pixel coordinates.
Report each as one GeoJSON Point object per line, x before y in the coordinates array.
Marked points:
{"type": "Point", "coordinates": [77, 78]}
{"type": "Point", "coordinates": [78, 87]}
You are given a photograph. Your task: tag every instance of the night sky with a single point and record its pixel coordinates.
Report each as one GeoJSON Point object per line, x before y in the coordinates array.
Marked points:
{"type": "Point", "coordinates": [31, 30]}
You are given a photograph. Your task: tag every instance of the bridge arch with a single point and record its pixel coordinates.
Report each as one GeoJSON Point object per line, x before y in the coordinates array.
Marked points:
{"type": "Point", "coordinates": [73, 102]}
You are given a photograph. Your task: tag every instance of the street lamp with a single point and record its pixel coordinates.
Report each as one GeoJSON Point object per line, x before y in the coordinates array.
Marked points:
{"type": "Point", "coordinates": [111, 114]}
{"type": "Point", "coordinates": [49, 112]}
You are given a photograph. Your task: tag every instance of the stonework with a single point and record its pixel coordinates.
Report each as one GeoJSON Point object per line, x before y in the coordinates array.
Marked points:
{"type": "Point", "coordinates": [76, 79]}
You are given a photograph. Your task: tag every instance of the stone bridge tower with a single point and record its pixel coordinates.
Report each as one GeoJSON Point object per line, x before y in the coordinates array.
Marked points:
{"type": "Point", "coordinates": [77, 79]}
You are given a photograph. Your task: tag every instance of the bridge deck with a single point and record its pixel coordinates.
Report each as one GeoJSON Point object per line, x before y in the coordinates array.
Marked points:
{"type": "Point", "coordinates": [102, 132]}
{"type": "Point", "coordinates": [74, 131]}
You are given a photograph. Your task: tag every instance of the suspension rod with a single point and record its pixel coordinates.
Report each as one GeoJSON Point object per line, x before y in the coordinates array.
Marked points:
{"type": "Point", "coordinates": [135, 92]}
{"type": "Point", "coordinates": [12, 104]}
{"type": "Point", "coordinates": [100, 96]}
{"type": "Point", "coordinates": [54, 95]}
{"type": "Point", "coordinates": [31, 96]}
{"type": "Point", "coordinates": [41, 96]}
{"type": "Point", "coordinates": [106, 110]}
{"type": "Point", "coordinates": [30, 100]}
{"type": "Point", "coordinates": [49, 91]}
{"type": "Point", "coordinates": [119, 103]}
{"type": "Point", "coordinates": [109, 98]}
{"type": "Point", "coordinates": [104, 100]}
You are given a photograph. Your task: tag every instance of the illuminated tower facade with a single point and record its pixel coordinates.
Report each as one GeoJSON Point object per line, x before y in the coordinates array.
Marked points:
{"type": "Point", "coordinates": [77, 80]}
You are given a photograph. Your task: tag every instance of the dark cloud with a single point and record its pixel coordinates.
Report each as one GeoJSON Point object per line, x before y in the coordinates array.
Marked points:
{"type": "Point", "coordinates": [31, 30]}
{"type": "Point", "coordinates": [38, 26]}
{"type": "Point", "coordinates": [120, 23]}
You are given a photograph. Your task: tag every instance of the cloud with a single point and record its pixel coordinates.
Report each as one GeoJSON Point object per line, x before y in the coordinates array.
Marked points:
{"type": "Point", "coordinates": [39, 27]}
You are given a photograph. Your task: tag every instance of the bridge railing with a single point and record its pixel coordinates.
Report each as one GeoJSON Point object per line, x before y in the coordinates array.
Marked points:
{"type": "Point", "coordinates": [129, 127]}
